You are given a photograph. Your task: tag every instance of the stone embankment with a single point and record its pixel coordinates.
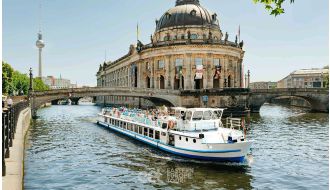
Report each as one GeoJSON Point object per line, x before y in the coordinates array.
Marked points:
{"type": "Point", "coordinates": [14, 164]}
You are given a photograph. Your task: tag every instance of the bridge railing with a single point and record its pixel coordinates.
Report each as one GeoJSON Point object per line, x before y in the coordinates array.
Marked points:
{"type": "Point", "coordinates": [9, 124]}
{"type": "Point", "coordinates": [147, 91]}
{"type": "Point", "coordinates": [279, 90]}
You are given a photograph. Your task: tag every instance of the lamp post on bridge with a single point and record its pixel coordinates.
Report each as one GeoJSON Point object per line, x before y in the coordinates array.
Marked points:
{"type": "Point", "coordinates": [31, 100]}
{"type": "Point", "coordinates": [31, 83]}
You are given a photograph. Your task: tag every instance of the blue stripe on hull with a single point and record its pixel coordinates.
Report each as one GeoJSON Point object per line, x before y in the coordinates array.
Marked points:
{"type": "Point", "coordinates": [229, 159]}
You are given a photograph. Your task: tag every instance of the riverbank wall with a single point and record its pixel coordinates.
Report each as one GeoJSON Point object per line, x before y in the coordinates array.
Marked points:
{"type": "Point", "coordinates": [15, 163]}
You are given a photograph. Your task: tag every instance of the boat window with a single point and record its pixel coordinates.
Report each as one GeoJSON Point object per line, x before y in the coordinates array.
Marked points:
{"type": "Point", "coordinates": [163, 134]}
{"type": "Point", "coordinates": [207, 115]}
{"type": "Point", "coordinates": [140, 130]}
{"type": "Point", "coordinates": [145, 131]}
{"type": "Point", "coordinates": [188, 115]}
{"type": "Point", "coordinates": [157, 135]}
{"type": "Point", "coordinates": [179, 137]}
{"type": "Point", "coordinates": [187, 139]}
{"type": "Point", "coordinates": [217, 114]}
{"type": "Point", "coordinates": [198, 115]}
{"type": "Point", "coordinates": [164, 125]}
{"type": "Point", "coordinates": [151, 133]}
{"type": "Point", "coordinates": [194, 140]}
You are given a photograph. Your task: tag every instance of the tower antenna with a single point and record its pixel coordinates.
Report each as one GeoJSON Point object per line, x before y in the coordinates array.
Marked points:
{"type": "Point", "coordinates": [39, 19]}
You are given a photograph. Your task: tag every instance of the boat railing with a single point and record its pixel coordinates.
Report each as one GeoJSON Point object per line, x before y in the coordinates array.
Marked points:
{"type": "Point", "coordinates": [233, 123]}
{"type": "Point", "coordinates": [138, 118]}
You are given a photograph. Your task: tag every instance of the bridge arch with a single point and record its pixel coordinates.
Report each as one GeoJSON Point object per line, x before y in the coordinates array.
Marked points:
{"type": "Point", "coordinates": [317, 98]}
{"type": "Point", "coordinates": [158, 97]}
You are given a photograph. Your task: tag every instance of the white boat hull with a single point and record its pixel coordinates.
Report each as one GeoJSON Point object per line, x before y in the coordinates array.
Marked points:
{"type": "Point", "coordinates": [233, 152]}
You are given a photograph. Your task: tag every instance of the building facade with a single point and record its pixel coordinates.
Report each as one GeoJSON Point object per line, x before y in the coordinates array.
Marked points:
{"type": "Point", "coordinates": [305, 78]}
{"type": "Point", "coordinates": [58, 83]}
{"type": "Point", "coordinates": [263, 85]}
{"type": "Point", "coordinates": [188, 50]}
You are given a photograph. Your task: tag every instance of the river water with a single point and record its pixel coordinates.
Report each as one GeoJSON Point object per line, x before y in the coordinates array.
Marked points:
{"type": "Point", "coordinates": [65, 149]}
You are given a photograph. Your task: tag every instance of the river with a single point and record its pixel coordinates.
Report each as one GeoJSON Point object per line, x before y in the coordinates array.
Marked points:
{"type": "Point", "coordinates": [65, 149]}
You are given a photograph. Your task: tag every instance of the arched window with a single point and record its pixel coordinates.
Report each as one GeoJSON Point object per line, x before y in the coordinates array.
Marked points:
{"type": "Point", "coordinates": [182, 37]}
{"type": "Point", "coordinates": [193, 13]}
{"type": "Point", "coordinates": [167, 15]}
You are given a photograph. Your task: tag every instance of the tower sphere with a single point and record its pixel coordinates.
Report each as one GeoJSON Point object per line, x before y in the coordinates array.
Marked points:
{"type": "Point", "coordinates": [40, 44]}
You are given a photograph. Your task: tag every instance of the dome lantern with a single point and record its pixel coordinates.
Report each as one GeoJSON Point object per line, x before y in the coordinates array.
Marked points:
{"type": "Point", "coordinates": [184, 2]}
{"type": "Point", "coordinates": [187, 13]}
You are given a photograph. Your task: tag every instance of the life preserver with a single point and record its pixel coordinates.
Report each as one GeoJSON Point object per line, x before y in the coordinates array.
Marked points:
{"type": "Point", "coordinates": [170, 124]}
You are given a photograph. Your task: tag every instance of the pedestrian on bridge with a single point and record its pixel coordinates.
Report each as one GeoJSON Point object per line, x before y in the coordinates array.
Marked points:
{"type": "Point", "coordinates": [9, 102]}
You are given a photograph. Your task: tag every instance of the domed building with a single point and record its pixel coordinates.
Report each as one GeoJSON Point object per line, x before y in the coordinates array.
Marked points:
{"type": "Point", "coordinates": [187, 51]}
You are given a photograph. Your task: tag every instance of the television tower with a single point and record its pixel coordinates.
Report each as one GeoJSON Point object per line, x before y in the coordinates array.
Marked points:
{"type": "Point", "coordinates": [40, 44]}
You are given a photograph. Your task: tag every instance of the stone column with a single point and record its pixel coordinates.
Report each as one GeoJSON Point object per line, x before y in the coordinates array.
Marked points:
{"type": "Point", "coordinates": [225, 64]}
{"type": "Point", "coordinates": [168, 72]}
{"type": "Point", "coordinates": [139, 75]}
{"type": "Point", "coordinates": [187, 66]}
{"type": "Point", "coordinates": [153, 78]}
{"type": "Point", "coordinates": [209, 70]}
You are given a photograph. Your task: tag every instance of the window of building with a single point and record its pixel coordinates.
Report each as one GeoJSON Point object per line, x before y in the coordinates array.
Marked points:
{"type": "Point", "coordinates": [147, 66]}
{"type": "Point", "coordinates": [193, 36]}
{"type": "Point", "coordinates": [216, 62]}
{"type": "Point", "coordinates": [161, 64]}
{"type": "Point", "coordinates": [198, 61]}
{"type": "Point", "coordinates": [179, 62]}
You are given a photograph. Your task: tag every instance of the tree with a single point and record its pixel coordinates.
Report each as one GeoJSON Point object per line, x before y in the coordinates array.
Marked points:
{"type": "Point", "coordinates": [274, 6]}
{"type": "Point", "coordinates": [326, 80]}
{"type": "Point", "coordinates": [14, 82]}
{"type": "Point", "coordinates": [21, 82]}
{"type": "Point", "coordinates": [7, 74]}
{"type": "Point", "coordinates": [39, 85]}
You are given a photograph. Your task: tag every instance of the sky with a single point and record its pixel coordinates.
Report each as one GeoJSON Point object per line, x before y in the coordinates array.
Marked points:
{"type": "Point", "coordinates": [78, 34]}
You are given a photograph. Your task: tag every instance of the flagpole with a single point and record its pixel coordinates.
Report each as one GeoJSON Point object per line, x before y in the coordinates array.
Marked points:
{"type": "Point", "coordinates": [239, 33]}
{"type": "Point", "coordinates": [137, 32]}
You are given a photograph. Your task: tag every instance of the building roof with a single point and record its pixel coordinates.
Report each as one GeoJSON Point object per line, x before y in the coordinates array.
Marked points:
{"type": "Point", "coordinates": [310, 71]}
{"type": "Point", "coordinates": [187, 13]}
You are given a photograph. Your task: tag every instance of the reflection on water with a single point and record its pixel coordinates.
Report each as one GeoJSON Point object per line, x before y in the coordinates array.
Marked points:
{"type": "Point", "coordinates": [66, 150]}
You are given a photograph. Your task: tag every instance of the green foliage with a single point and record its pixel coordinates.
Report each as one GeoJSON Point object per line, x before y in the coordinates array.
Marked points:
{"type": "Point", "coordinates": [21, 82]}
{"type": "Point", "coordinates": [39, 85]}
{"type": "Point", "coordinates": [274, 6]}
{"type": "Point", "coordinates": [14, 82]}
{"type": "Point", "coordinates": [7, 74]}
{"type": "Point", "coordinates": [326, 80]}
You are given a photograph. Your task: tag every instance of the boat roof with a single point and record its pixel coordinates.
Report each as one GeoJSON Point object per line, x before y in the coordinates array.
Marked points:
{"type": "Point", "coordinates": [205, 109]}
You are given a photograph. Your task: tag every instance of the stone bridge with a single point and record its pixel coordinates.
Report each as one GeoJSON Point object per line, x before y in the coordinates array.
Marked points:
{"type": "Point", "coordinates": [157, 96]}
{"type": "Point", "coordinates": [252, 99]}
{"type": "Point", "coordinates": [318, 98]}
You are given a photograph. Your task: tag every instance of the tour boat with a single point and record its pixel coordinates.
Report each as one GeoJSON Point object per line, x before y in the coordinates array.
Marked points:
{"type": "Point", "coordinates": [196, 133]}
